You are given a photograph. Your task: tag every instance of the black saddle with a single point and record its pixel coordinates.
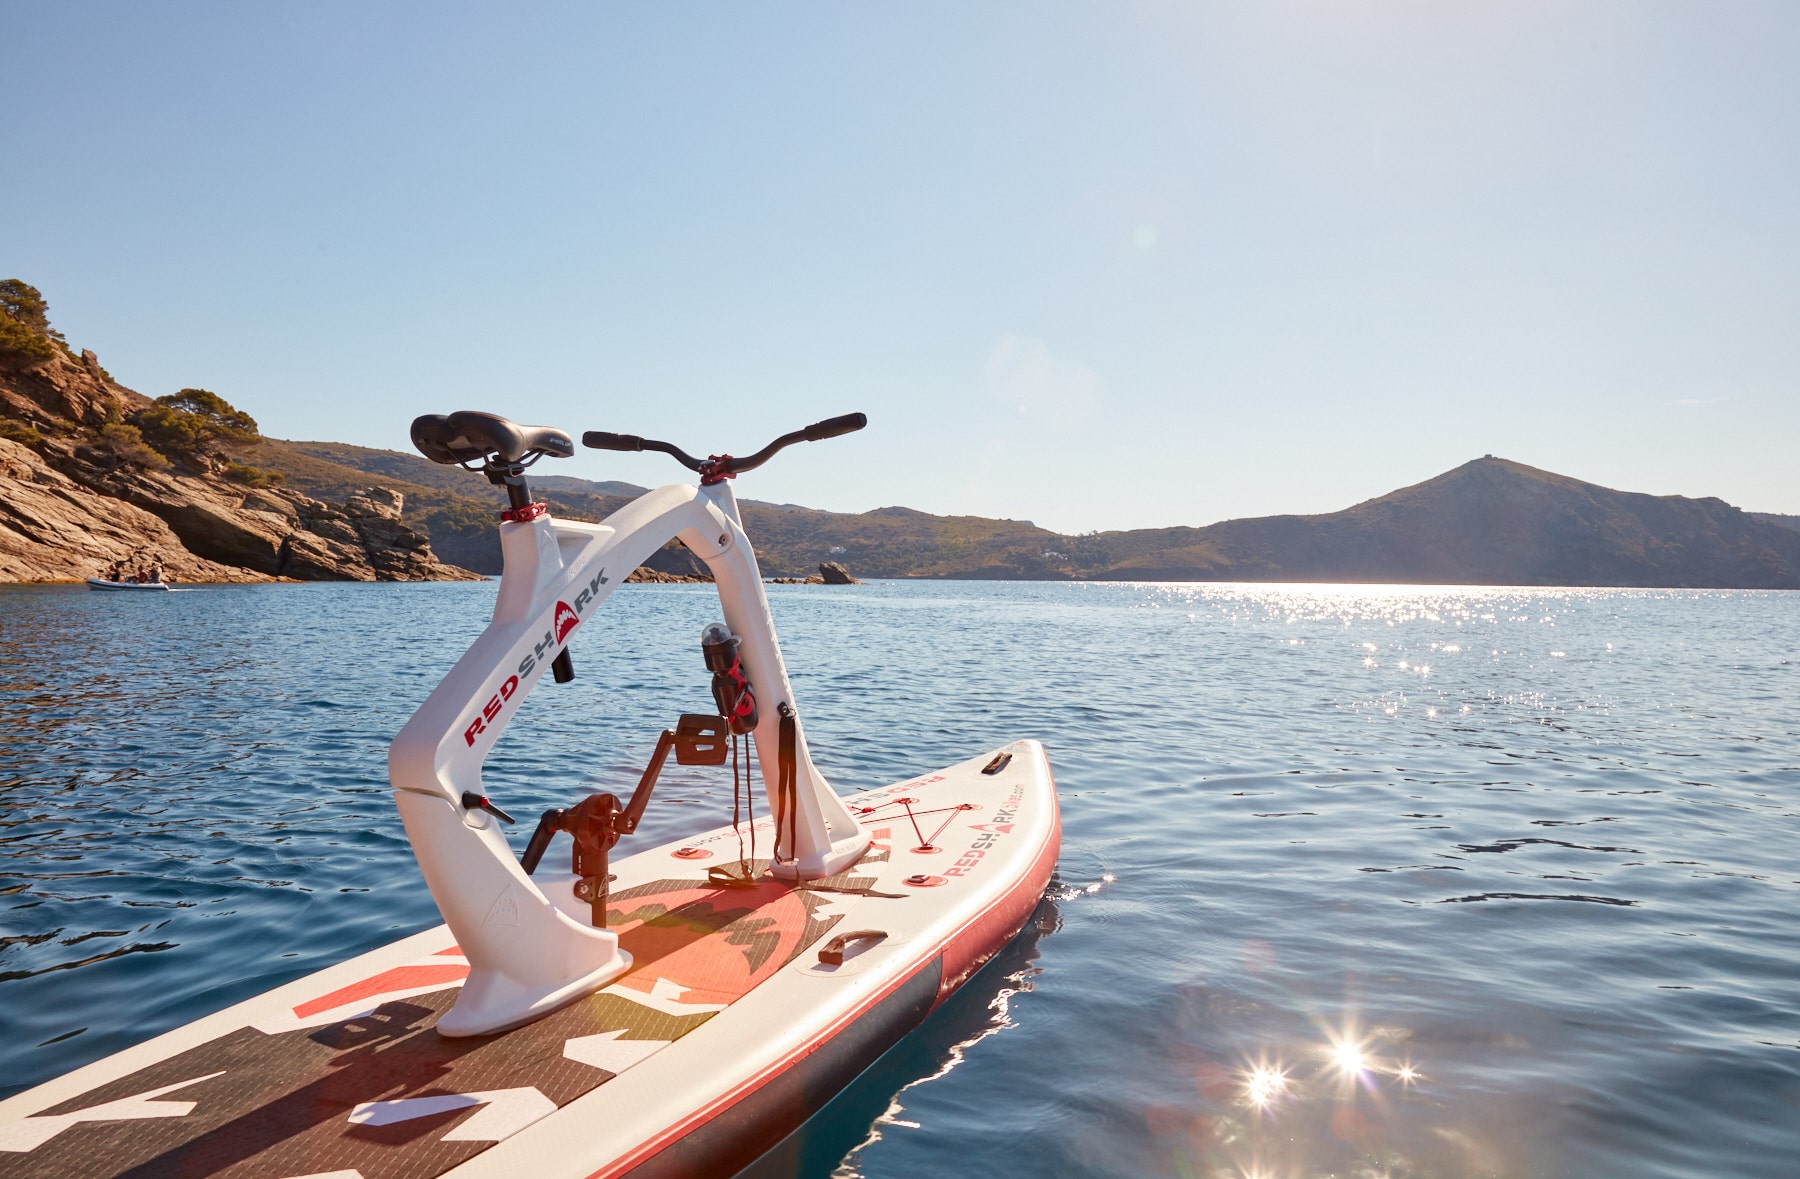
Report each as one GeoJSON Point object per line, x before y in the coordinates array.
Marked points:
{"type": "Point", "coordinates": [469, 436]}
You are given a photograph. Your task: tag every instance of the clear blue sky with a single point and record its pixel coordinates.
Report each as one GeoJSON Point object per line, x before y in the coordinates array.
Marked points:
{"type": "Point", "coordinates": [1096, 265]}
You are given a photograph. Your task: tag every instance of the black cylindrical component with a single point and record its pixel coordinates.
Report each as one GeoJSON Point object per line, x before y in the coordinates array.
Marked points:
{"type": "Point", "coordinates": [720, 647]}
{"type": "Point", "coordinates": [832, 427]}
{"type": "Point", "coordinates": [548, 824]}
{"type": "Point", "coordinates": [517, 494]}
{"type": "Point", "coordinates": [472, 801]}
{"type": "Point", "coordinates": [563, 667]}
{"type": "Point", "coordinates": [607, 440]}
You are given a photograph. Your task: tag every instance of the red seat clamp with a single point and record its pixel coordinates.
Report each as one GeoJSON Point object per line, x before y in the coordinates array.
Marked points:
{"type": "Point", "coordinates": [525, 514]}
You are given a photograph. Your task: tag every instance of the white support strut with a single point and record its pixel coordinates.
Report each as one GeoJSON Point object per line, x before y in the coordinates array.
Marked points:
{"type": "Point", "coordinates": [527, 954]}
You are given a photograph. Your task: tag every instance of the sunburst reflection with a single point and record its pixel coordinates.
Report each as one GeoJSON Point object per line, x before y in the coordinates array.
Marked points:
{"type": "Point", "coordinates": [1264, 1085]}
{"type": "Point", "coordinates": [1350, 1057]}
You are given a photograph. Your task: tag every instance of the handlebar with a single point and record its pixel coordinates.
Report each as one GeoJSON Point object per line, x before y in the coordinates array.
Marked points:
{"type": "Point", "coordinates": [606, 440]}
{"type": "Point", "coordinates": [724, 466]}
{"type": "Point", "coordinates": [848, 423]}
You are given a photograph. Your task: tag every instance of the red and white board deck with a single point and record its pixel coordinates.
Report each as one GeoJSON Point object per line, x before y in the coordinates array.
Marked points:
{"type": "Point", "coordinates": [731, 1028]}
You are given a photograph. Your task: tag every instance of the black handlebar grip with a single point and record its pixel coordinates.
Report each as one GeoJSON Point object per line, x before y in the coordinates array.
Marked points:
{"type": "Point", "coordinates": [832, 427]}
{"type": "Point", "coordinates": [607, 440]}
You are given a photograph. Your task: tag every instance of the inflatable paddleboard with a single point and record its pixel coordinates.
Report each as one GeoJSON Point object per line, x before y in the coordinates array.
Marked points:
{"type": "Point", "coordinates": [675, 1012]}
{"type": "Point", "coordinates": [100, 583]}
{"type": "Point", "coordinates": [744, 1011]}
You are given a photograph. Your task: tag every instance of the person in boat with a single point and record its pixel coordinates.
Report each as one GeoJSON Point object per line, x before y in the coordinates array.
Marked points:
{"type": "Point", "coordinates": [156, 572]}
{"type": "Point", "coordinates": [114, 571]}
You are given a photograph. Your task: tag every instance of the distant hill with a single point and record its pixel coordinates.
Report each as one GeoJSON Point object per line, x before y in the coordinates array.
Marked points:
{"type": "Point", "coordinates": [458, 509]}
{"type": "Point", "coordinates": [419, 471]}
{"type": "Point", "coordinates": [1488, 522]}
{"type": "Point", "coordinates": [92, 474]}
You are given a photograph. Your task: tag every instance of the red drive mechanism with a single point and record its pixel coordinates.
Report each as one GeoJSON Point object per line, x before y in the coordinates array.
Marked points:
{"type": "Point", "coordinates": [731, 690]}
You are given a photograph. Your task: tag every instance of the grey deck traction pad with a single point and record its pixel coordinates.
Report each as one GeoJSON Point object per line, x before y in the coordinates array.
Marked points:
{"type": "Point", "coordinates": [281, 1103]}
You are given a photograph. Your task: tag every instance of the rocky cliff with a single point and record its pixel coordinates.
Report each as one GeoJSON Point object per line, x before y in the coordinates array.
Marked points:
{"type": "Point", "coordinates": [81, 487]}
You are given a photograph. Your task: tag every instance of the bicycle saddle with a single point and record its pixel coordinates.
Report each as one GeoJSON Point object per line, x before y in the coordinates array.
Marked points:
{"type": "Point", "coordinates": [469, 436]}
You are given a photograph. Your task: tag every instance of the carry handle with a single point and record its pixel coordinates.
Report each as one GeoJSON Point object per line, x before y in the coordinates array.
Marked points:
{"type": "Point", "coordinates": [833, 953]}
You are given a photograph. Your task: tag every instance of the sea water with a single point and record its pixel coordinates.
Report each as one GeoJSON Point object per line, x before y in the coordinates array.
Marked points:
{"type": "Point", "coordinates": [1355, 880]}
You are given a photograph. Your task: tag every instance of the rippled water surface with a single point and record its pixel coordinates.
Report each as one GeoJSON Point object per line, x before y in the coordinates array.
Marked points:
{"type": "Point", "coordinates": [1355, 881]}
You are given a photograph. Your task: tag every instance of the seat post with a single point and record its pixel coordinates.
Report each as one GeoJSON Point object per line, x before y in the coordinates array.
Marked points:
{"type": "Point", "coordinates": [512, 477]}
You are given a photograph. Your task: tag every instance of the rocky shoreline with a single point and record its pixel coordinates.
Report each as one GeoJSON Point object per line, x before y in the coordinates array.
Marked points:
{"type": "Point", "coordinates": [82, 488]}
{"type": "Point", "coordinates": [93, 473]}
{"type": "Point", "coordinates": [66, 520]}
{"type": "Point", "coordinates": [830, 573]}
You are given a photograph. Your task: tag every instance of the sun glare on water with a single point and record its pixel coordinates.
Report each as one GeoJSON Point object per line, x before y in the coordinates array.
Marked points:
{"type": "Point", "coordinates": [1265, 1085]}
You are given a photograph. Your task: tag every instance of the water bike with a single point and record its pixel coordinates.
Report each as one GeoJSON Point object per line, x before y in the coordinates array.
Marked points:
{"type": "Point", "coordinates": [676, 1012]}
{"type": "Point", "coordinates": [101, 583]}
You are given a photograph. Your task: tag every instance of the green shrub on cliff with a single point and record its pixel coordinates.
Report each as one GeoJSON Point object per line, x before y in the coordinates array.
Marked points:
{"type": "Point", "coordinates": [25, 303]}
{"type": "Point", "coordinates": [194, 424]}
{"type": "Point", "coordinates": [251, 476]}
{"type": "Point", "coordinates": [460, 517]}
{"type": "Point", "coordinates": [16, 339]}
{"type": "Point", "coordinates": [126, 444]}
{"type": "Point", "coordinates": [25, 321]}
{"type": "Point", "coordinates": [21, 433]}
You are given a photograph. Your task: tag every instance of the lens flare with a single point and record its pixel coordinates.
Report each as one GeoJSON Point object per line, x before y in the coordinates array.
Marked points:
{"type": "Point", "coordinates": [1265, 1085]}
{"type": "Point", "coordinates": [1349, 1055]}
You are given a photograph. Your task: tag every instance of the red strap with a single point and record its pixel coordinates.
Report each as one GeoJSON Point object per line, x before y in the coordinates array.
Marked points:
{"type": "Point", "coordinates": [746, 700]}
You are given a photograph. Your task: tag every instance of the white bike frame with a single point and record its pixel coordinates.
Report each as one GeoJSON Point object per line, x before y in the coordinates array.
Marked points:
{"type": "Point", "coordinates": [532, 949]}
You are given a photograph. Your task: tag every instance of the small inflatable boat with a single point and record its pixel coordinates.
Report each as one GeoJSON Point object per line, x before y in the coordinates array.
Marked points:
{"type": "Point", "coordinates": [676, 1012]}
{"type": "Point", "coordinates": [100, 583]}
